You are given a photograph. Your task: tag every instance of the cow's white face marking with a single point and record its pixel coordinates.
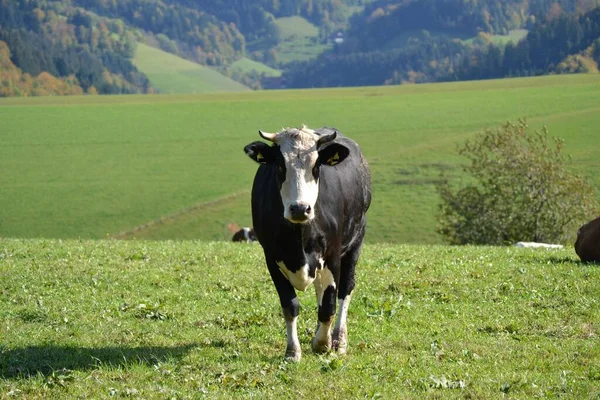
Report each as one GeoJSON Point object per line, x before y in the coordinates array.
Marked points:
{"type": "Point", "coordinates": [299, 279]}
{"type": "Point", "coordinates": [299, 150]}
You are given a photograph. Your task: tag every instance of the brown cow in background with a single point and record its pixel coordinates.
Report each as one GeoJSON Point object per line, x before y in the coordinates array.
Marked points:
{"type": "Point", "coordinates": [587, 245]}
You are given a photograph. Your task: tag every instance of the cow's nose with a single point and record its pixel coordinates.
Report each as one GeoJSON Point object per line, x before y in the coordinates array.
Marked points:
{"type": "Point", "coordinates": [299, 211]}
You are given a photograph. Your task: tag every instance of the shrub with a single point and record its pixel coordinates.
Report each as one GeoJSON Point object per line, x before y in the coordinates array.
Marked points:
{"type": "Point", "coordinates": [519, 190]}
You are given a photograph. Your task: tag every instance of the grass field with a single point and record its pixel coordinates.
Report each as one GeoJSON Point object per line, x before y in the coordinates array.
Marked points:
{"type": "Point", "coordinates": [296, 26]}
{"type": "Point", "coordinates": [298, 40]}
{"type": "Point", "coordinates": [172, 74]}
{"type": "Point", "coordinates": [514, 36]}
{"type": "Point", "coordinates": [155, 320]}
{"type": "Point", "coordinates": [92, 167]}
{"type": "Point", "coordinates": [247, 65]}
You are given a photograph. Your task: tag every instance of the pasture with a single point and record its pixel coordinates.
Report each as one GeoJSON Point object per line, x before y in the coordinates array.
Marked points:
{"type": "Point", "coordinates": [247, 65]}
{"type": "Point", "coordinates": [172, 166]}
{"type": "Point", "coordinates": [171, 74]}
{"type": "Point", "coordinates": [298, 40]}
{"type": "Point", "coordinates": [189, 319]}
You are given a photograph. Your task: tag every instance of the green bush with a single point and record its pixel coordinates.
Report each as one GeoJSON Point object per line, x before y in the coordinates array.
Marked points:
{"type": "Point", "coordinates": [519, 189]}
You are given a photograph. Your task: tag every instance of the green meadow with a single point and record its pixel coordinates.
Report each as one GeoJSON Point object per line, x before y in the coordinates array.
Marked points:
{"type": "Point", "coordinates": [299, 40]}
{"type": "Point", "coordinates": [188, 319]}
{"type": "Point", "coordinates": [171, 74]}
{"type": "Point", "coordinates": [172, 166]}
{"type": "Point", "coordinates": [247, 65]}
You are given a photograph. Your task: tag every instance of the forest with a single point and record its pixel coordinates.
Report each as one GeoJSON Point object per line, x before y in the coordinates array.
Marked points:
{"type": "Point", "coordinates": [88, 45]}
{"type": "Point", "coordinates": [559, 42]}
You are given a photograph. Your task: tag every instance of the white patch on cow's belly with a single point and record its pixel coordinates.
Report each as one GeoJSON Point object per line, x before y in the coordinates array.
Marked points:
{"type": "Point", "coordinates": [325, 278]}
{"type": "Point", "coordinates": [299, 279]}
{"type": "Point", "coordinates": [321, 263]}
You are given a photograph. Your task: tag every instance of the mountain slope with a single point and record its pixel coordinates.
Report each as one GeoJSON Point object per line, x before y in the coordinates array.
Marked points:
{"type": "Point", "coordinates": [172, 74]}
{"type": "Point", "coordinates": [443, 57]}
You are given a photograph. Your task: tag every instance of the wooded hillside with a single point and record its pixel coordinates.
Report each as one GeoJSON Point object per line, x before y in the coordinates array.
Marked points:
{"type": "Point", "coordinates": [394, 42]}
{"type": "Point", "coordinates": [89, 44]}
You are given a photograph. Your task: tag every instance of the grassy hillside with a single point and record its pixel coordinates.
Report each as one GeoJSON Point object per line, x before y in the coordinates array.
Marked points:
{"type": "Point", "coordinates": [295, 26]}
{"type": "Point", "coordinates": [93, 167]}
{"type": "Point", "coordinates": [513, 36]}
{"type": "Point", "coordinates": [247, 65]}
{"type": "Point", "coordinates": [100, 319]}
{"type": "Point", "coordinates": [299, 40]}
{"type": "Point", "coordinates": [171, 74]}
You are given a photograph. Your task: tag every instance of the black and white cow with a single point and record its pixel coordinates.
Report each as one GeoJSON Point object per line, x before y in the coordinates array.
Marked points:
{"type": "Point", "coordinates": [244, 234]}
{"type": "Point", "coordinates": [309, 200]}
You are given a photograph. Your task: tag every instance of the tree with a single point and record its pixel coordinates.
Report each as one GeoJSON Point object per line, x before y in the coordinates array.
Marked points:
{"type": "Point", "coordinates": [519, 190]}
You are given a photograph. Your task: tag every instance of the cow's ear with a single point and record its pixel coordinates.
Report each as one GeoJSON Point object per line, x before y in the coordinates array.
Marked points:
{"type": "Point", "coordinates": [333, 154]}
{"type": "Point", "coordinates": [261, 152]}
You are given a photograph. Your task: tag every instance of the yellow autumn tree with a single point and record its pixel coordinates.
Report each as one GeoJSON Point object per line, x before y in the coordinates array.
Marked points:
{"type": "Point", "coordinates": [13, 82]}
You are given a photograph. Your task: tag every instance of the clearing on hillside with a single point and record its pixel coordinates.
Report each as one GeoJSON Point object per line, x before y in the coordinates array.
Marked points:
{"type": "Point", "coordinates": [299, 40]}
{"type": "Point", "coordinates": [247, 65]}
{"type": "Point", "coordinates": [171, 74]}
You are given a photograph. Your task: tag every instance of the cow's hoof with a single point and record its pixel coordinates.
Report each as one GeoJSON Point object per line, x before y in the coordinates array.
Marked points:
{"type": "Point", "coordinates": [339, 347]}
{"type": "Point", "coordinates": [293, 354]}
{"type": "Point", "coordinates": [321, 346]}
{"type": "Point", "coordinates": [293, 357]}
{"type": "Point", "coordinates": [340, 341]}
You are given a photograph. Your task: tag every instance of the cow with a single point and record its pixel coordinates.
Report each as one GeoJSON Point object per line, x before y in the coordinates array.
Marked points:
{"type": "Point", "coordinates": [587, 245]}
{"type": "Point", "coordinates": [309, 201]}
{"type": "Point", "coordinates": [244, 234]}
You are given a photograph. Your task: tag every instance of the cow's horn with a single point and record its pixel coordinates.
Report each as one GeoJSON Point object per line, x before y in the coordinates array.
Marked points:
{"type": "Point", "coordinates": [326, 139]}
{"type": "Point", "coordinates": [267, 136]}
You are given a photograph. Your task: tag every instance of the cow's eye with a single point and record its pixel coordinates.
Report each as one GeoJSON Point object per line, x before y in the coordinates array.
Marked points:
{"type": "Point", "coordinates": [281, 172]}
{"type": "Point", "coordinates": [315, 170]}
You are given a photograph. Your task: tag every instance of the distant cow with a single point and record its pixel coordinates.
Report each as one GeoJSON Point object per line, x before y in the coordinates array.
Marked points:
{"type": "Point", "coordinates": [587, 245]}
{"type": "Point", "coordinates": [241, 234]}
{"type": "Point", "coordinates": [309, 202]}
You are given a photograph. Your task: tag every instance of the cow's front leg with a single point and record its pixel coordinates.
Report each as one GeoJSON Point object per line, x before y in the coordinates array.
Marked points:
{"type": "Point", "coordinates": [325, 289]}
{"type": "Point", "coordinates": [340, 332]}
{"type": "Point", "coordinates": [290, 307]}
{"type": "Point", "coordinates": [290, 314]}
{"type": "Point", "coordinates": [347, 281]}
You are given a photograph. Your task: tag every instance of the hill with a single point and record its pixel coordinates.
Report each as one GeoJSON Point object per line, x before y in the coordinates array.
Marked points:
{"type": "Point", "coordinates": [16, 83]}
{"type": "Point", "coordinates": [318, 43]}
{"type": "Point", "coordinates": [87, 167]}
{"type": "Point", "coordinates": [426, 41]}
{"type": "Point", "coordinates": [94, 40]}
{"type": "Point", "coordinates": [97, 319]}
{"type": "Point", "coordinates": [171, 74]}
{"type": "Point", "coordinates": [247, 65]}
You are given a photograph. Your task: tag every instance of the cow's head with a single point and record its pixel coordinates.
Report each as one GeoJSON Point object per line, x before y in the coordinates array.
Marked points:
{"type": "Point", "coordinates": [298, 155]}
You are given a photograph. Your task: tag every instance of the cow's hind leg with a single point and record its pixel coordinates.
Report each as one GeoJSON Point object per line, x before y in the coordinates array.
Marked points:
{"type": "Point", "coordinates": [344, 294]}
{"type": "Point", "coordinates": [290, 307]}
{"type": "Point", "coordinates": [325, 289]}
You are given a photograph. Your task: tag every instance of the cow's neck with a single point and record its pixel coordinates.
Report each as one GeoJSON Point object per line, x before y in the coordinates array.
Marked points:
{"type": "Point", "coordinates": [307, 238]}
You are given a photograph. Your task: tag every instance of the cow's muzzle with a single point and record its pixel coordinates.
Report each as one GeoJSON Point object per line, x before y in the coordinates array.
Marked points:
{"type": "Point", "coordinates": [300, 213]}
